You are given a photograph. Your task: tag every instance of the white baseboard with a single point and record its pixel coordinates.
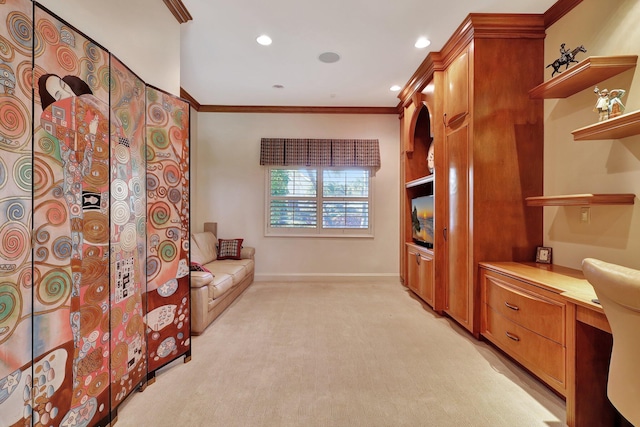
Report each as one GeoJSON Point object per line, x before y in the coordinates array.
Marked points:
{"type": "Point", "coordinates": [328, 277]}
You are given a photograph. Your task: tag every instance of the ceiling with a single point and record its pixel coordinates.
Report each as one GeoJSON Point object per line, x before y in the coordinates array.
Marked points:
{"type": "Point", "coordinates": [222, 64]}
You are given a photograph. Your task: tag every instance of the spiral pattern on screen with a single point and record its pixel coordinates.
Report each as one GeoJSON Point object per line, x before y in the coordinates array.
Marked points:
{"type": "Point", "coordinates": [15, 211]}
{"type": "Point", "coordinates": [48, 31]}
{"type": "Point", "coordinates": [120, 212]}
{"type": "Point", "coordinates": [153, 267]}
{"type": "Point", "coordinates": [10, 309]}
{"type": "Point", "coordinates": [54, 288]}
{"type": "Point", "coordinates": [14, 240]}
{"type": "Point", "coordinates": [14, 116]}
{"type": "Point", "coordinates": [99, 383]}
{"type": "Point", "coordinates": [158, 116]}
{"type": "Point", "coordinates": [99, 174]}
{"type": "Point", "coordinates": [159, 138]}
{"type": "Point", "coordinates": [152, 182]}
{"type": "Point", "coordinates": [22, 173]}
{"type": "Point", "coordinates": [95, 228]}
{"type": "Point", "coordinates": [20, 30]}
{"type": "Point", "coordinates": [119, 189]}
{"type": "Point", "coordinates": [97, 290]}
{"type": "Point", "coordinates": [128, 238]}
{"type": "Point", "coordinates": [167, 251]}
{"type": "Point", "coordinates": [171, 174]}
{"type": "Point", "coordinates": [135, 185]}
{"type": "Point", "coordinates": [122, 154]}
{"type": "Point", "coordinates": [62, 247]}
{"type": "Point", "coordinates": [67, 59]}
{"type": "Point", "coordinates": [90, 316]}
{"type": "Point", "coordinates": [6, 50]}
{"type": "Point", "coordinates": [159, 214]}
{"type": "Point", "coordinates": [56, 212]}
{"type": "Point", "coordinates": [104, 78]}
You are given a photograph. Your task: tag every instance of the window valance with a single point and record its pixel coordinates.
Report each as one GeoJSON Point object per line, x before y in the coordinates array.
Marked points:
{"type": "Point", "coordinates": [320, 152]}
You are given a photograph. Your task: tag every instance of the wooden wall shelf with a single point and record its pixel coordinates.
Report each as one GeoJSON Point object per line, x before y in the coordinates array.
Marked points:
{"type": "Point", "coordinates": [616, 128]}
{"type": "Point", "coordinates": [582, 200]}
{"type": "Point", "coordinates": [584, 74]}
{"type": "Point", "coordinates": [420, 181]}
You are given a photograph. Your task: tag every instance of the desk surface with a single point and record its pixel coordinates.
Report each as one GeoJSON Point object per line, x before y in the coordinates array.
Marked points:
{"type": "Point", "coordinates": [568, 282]}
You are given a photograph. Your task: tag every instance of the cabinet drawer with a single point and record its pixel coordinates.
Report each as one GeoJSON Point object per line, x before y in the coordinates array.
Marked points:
{"type": "Point", "coordinates": [540, 315]}
{"type": "Point", "coordinates": [542, 356]}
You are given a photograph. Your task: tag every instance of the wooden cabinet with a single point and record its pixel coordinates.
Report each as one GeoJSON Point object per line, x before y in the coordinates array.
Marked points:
{"type": "Point", "coordinates": [527, 323]}
{"type": "Point", "coordinates": [493, 154]}
{"type": "Point", "coordinates": [471, 100]}
{"type": "Point", "coordinates": [420, 272]}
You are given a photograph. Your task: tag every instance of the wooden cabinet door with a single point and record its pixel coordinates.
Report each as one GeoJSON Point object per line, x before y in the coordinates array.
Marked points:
{"type": "Point", "coordinates": [459, 280]}
{"type": "Point", "coordinates": [413, 271]}
{"type": "Point", "coordinates": [456, 101]}
{"type": "Point", "coordinates": [426, 275]}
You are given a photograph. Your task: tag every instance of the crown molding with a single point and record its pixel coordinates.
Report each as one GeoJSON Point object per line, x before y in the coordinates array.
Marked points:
{"type": "Point", "coordinates": [284, 109]}
{"type": "Point", "coordinates": [179, 10]}
{"type": "Point", "coordinates": [295, 109]}
{"type": "Point", "coordinates": [558, 10]}
{"type": "Point", "coordinates": [186, 95]}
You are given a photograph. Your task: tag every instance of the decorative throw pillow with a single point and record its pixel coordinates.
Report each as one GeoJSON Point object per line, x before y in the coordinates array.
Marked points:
{"type": "Point", "coordinates": [229, 248]}
{"type": "Point", "coordinates": [196, 266]}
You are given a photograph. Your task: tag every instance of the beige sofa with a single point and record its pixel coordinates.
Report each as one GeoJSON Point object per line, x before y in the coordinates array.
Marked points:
{"type": "Point", "coordinates": [212, 292]}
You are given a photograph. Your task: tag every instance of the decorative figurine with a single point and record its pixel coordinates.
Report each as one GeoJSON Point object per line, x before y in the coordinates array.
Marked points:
{"type": "Point", "coordinates": [616, 107]}
{"type": "Point", "coordinates": [567, 57]}
{"type": "Point", "coordinates": [602, 104]}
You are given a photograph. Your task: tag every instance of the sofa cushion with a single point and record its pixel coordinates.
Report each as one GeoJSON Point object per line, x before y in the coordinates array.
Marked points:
{"type": "Point", "coordinates": [229, 248]}
{"type": "Point", "coordinates": [221, 285]}
{"type": "Point", "coordinates": [204, 249]}
{"type": "Point", "coordinates": [236, 271]}
{"type": "Point", "coordinates": [201, 278]}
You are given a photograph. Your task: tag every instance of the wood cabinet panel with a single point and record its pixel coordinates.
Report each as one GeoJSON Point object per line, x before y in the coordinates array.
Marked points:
{"type": "Point", "coordinates": [457, 89]}
{"type": "Point", "coordinates": [459, 296]}
{"type": "Point", "coordinates": [420, 272]}
{"type": "Point", "coordinates": [542, 316]}
{"type": "Point", "coordinates": [542, 356]}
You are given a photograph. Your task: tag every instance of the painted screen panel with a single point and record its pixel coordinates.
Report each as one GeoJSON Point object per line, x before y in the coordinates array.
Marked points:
{"type": "Point", "coordinates": [71, 223]}
{"type": "Point", "coordinates": [168, 299]}
{"type": "Point", "coordinates": [128, 232]}
{"type": "Point", "coordinates": [16, 39]}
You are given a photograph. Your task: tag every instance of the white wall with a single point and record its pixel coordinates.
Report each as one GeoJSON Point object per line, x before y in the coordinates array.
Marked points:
{"type": "Point", "coordinates": [230, 183]}
{"type": "Point", "coordinates": [609, 166]}
{"type": "Point", "coordinates": [143, 34]}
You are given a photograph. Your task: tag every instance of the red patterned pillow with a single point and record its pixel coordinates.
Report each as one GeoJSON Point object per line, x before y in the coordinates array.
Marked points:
{"type": "Point", "coordinates": [229, 248]}
{"type": "Point", "coordinates": [196, 266]}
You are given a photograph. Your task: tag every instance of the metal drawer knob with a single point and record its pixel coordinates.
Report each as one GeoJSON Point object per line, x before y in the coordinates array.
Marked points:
{"type": "Point", "coordinates": [512, 307]}
{"type": "Point", "coordinates": [511, 336]}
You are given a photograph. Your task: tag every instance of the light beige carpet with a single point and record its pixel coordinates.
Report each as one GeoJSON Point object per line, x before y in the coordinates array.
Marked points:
{"type": "Point", "coordinates": [340, 354]}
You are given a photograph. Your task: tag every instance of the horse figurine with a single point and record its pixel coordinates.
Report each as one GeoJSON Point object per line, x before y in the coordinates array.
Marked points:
{"type": "Point", "coordinates": [566, 59]}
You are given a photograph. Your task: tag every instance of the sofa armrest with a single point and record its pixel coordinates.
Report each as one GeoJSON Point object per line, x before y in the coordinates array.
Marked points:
{"type": "Point", "coordinates": [247, 252]}
{"type": "Point", "coordinates": [200, 279]}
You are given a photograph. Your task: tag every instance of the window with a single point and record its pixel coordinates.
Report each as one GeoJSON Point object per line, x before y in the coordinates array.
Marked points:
{"type": "Point", "coordinates": [321, 201]}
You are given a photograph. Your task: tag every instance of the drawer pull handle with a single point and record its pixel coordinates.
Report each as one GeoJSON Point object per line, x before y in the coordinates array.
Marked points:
{"type": "Point", "coordinates": [512, 307]}
{"type": "Point", "coordinates": [511, 336]}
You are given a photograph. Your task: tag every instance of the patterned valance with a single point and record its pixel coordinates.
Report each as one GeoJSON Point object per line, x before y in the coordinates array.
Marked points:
{"type": "Point", "coordinates": [320, 152]}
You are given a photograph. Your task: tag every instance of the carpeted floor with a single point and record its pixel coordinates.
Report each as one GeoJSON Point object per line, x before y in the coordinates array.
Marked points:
{"type": "Point", "coordinates": [340, 355]}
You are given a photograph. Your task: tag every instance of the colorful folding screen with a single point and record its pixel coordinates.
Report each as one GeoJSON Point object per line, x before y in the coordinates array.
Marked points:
{"type": "Point", "coordinates": [80, 325]}
{"type": "Point", "coordinates": [168, 301]}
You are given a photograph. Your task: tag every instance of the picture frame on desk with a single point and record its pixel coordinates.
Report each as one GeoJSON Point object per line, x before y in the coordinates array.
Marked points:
{"type": "Point", "coordinates": [543, 255]}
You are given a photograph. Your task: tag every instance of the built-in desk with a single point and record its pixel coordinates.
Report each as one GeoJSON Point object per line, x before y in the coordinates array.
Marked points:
{"type": "Point", "coordinates": [587, 336]}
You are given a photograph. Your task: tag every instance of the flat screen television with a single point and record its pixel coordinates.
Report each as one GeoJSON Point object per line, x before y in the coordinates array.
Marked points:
{"type": "Point", "coordinates": [422, 220]}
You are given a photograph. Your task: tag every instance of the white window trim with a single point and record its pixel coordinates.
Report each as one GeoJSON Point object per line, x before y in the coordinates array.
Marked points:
{"type": "Point", "coordinates": [318, 231]}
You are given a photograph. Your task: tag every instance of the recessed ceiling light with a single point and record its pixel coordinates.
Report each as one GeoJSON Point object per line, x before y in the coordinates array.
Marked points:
{"type": "Point", "coordinates": [395, 88]}
{"type": "Point", "coordinates": [264, 40]}
{"type": "Point", "coordinates": [422, 42]}
{"type": "Point", "coordinates": [329, 57]}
